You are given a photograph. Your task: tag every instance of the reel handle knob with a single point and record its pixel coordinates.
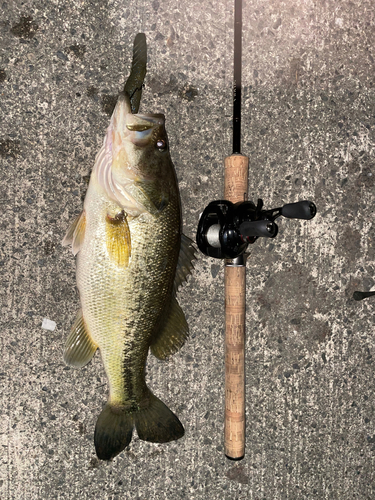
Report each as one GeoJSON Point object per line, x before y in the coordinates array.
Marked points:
{"type": "Point", "coordinates": [300, 210]}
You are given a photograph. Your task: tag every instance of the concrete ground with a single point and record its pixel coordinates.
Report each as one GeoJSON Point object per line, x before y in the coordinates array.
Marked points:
{"type": "Point", "coordinates": [308, 129]}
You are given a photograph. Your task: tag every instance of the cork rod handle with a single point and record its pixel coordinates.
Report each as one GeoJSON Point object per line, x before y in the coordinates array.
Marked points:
{"type": "Point", "coordinates": [236, 180]}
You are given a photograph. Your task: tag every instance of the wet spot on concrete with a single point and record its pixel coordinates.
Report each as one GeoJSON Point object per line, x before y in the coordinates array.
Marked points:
{"type": "Point", "coordinates": [295, 70]}
{"type": "Point", "coordinates": [238, 474]}
{"type": "Point", "coordinates": [321, 332]}
{"type": "Point", "coordinates": [108, 104]}
{"type": "Point", "coordinates": [172, 37]}
{"type": "Point", "coordinates": [92, 92]}
{"type": "Point", "coordinates": [25, 29]}
{"type": "Point", "coordinates": [159, 36]}
{"type": "Point", "coordinates": [189, 93]}
{"type": "Point", "coordinates": [354, 284]}
{"type": "Point", "coordinates": [77, 50]}
{"type": "Point", "coordinates": [3, 75]}
{"type": "Point", "coordinates": [296, 321]}
{"type": "Point", "coordinates": [9, 148]}
{"type": "Point", "coordinates": [157, 86]}
{"type": "Point", "coordinates": [215, 268]}
{"type": "Point", "coordinates": [94, 463]}
{"type": "Point", "coordinates": [366, 178]}
{"type": "Point", "coordinates": [82, 428]}
{"type": "Point", "coordinates": [261, 299]}
{"type": "Point", "coordinates": [277, 24]}
{"type": "Point", "coordinates": [349, 243]}
{"type": "Point", "coordinates": [86, 179]}
{"type": "Point", "coordinates": [153, 454]}
{"type": "Point", "coordinates": [49, 247]}
{"type": "Point", "coordinates": [61, 55]}
{"type": "Point", "coordinates": [83, 188]}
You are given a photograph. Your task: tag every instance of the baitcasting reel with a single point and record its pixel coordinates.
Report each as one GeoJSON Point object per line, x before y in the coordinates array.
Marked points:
{"type": "Point", "coordinates": [225, 229]}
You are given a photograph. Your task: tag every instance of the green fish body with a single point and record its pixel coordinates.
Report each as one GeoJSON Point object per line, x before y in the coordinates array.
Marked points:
{"type": "Point", "coordinates": [131, 258]}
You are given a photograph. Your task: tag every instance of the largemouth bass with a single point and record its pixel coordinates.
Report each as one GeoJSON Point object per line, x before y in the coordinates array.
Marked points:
{"type": "Point", "coordinates": [131, 259]}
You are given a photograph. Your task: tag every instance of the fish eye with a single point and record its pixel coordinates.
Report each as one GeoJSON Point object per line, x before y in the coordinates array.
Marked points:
{"type": "Point", "coordinates": [161, 145]}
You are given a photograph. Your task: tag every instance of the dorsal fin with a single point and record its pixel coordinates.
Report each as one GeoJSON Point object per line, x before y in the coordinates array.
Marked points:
{"type": "Point", "coordinates": [76, 233]}
{"type": "Point", "coordinates": [173, 333]}
{"type": "Point", "coordinates": [185, 261]}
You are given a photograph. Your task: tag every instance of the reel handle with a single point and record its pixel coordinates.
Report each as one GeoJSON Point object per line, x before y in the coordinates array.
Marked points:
{"type": "Point", "coordinates": [263, 228]}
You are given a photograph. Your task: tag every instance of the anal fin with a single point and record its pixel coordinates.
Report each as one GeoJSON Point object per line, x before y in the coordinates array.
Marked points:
{"type": "Point", "coordinates": [76, 233]}
{"type": "Point", "coordinates": [173, 333]}
{"type": "Point", "coordinates": [79, 347]}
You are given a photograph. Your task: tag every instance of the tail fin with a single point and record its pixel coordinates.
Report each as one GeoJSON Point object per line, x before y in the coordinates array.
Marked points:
{"type": "Point", "coordinates": [114, 427]}
{"type": "Point", "coordinates": [157, 423]}
{"type": "Point", "coordinates": [113, 432]}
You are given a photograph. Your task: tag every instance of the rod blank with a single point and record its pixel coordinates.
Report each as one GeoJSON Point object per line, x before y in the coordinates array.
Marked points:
{"type": "Point", "coordinates": [237, 63]}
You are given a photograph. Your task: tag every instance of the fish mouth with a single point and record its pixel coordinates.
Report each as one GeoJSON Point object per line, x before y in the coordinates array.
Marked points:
{"type": "Point", "coordinates": [142, 127]}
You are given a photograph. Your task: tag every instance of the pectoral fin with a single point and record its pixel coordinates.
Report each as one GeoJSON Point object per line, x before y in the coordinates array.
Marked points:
{"type": "Point", "coordinates": [79, 347]}
{"type": "Point", "coordinates": [185, 261]}
{"type": "Point", "coordinates": [118, 239]}
{"type": "Point", "coordinates": [76, 233]}
{"type": "Point", "coordinates": [173, 332]}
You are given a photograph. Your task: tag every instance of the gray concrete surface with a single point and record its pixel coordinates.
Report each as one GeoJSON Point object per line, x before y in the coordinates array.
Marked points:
{"type": "Point", "coordinates": [308, 129]}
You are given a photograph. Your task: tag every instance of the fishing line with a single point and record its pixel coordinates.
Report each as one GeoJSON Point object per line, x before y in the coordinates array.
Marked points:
{"type": "Point", "coordinates": [143, 10]}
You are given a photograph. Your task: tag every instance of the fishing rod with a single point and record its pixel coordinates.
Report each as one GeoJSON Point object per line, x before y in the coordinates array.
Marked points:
{"type": "Point", "coordinates": [225, 229]}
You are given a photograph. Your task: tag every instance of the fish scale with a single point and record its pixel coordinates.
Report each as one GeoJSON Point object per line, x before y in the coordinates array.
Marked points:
{"type": "Point", "coordinates": [119, 303]}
